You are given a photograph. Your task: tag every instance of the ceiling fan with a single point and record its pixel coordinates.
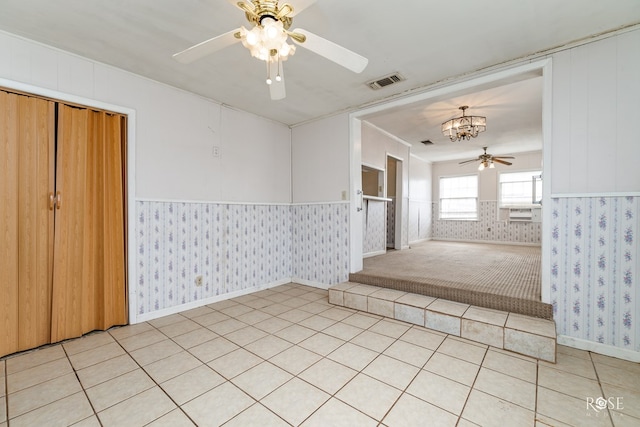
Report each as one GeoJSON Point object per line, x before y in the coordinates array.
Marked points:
{"type": "Point", "coordinates": [267, 41]}
{"type": "Point", "coordinates": [487, 160]}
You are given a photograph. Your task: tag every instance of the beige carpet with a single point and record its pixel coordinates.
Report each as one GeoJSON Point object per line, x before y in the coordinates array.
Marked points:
{"type": "Point", "coordinates": [502, 277]}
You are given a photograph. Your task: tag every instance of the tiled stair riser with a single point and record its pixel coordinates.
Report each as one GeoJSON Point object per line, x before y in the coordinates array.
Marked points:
{"type": "Point", "coordinates": [509, 331]}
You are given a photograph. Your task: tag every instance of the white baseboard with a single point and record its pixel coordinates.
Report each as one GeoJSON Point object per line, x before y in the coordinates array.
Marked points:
{"type": "Point", "coordinates": [199, 303]}
{"type": "Point", "coordinates": [494, 242]}
{"type": "Point", "coordinates": [596, 347]}
{"type": "Point", "coordinates": [415, 242]}
{"type": "Point", "coordinates": [370, 254]}
{"type": "Point", "coordinates": [310, 283]}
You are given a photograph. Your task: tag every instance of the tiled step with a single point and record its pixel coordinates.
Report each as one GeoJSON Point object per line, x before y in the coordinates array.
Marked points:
{"type": "Point", "coordinates": [526, 335]}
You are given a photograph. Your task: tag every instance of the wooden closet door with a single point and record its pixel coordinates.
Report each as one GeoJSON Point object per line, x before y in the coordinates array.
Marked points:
{"type": "Point", "coordinates": [27, 146]}
{"type": "Point", "coordinates": [89, 288]}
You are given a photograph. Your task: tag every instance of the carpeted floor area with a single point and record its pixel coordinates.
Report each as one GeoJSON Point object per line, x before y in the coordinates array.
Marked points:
{"type": "Point", "coordinates": [502, 277]}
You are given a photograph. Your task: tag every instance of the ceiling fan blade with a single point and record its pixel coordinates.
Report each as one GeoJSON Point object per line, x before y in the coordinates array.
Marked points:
{"type": "Point", "coordinates": [300, 5]}
{"type": "Point", "coordinates": [244, 5]}
{"type": "Point", "coordinates": [207, 47]}
{"type": "Point", "coordinates": [502, 161]}
{"type": "Point", "coordinates": [333, 52]}
{"type": "Point", "coordinates": [276, 88]}
{"type": "Point", "coordinates": [468, 161]}
{"type": "Point", "coordinates": [503, 157]}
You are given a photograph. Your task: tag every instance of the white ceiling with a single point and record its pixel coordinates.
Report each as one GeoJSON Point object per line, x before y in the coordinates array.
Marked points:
{"type": "Point", "coordinates": [427, 41]}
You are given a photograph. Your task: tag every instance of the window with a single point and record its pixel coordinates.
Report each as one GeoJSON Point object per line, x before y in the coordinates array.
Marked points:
{"type": "Point", "coordinates": [520, 188]}
{"type": "Point", "coordinates": [459, 197]}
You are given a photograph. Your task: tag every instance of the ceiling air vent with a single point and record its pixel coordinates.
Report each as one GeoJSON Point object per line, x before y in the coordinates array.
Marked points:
{"type": "Point", "coordinates": [386, 81]}
{"type": "Point", "coordinates": [427, 142]}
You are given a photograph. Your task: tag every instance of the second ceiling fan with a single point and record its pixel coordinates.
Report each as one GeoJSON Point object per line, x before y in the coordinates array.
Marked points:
{"type": "Point", "coordinates": [487, 160]}
{"type": "Point", "coordinates": [268, 38]}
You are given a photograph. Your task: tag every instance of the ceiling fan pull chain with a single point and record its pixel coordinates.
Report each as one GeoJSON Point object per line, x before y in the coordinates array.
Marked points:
{"type": "Point", "coordinates": [269, 72]}
{"type": "Point", "coordinates": [278, 76]}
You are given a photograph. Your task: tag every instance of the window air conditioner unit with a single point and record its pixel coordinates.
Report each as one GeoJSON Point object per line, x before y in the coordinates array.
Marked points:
{"type": "Point", "coordinates": [520, 214]}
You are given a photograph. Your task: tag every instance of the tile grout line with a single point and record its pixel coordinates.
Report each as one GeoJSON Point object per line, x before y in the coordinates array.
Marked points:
{"type": "Point", "coordinates": [316, 332]}
{"type": "Point", "coordinates": [357, 372]}
{"type": "Point", "coordinates": [84, 391]}
{"type": "Point", "coordinates": [151, 378]}
{"type": "Point", "coordinates": [221, 375]}
{"type": "Point", "coordinates": [325, 357]}
{"type": "Point", "coordinates": [595, 370]}
{"type": "Point", "coordinates": [535, 407]}
{"type": "Point", "coordinates": [414, 377]}
{"type": "Point", "coordinates": [186, 350]}
{"type": "Point", "coordinates": [471, 387]}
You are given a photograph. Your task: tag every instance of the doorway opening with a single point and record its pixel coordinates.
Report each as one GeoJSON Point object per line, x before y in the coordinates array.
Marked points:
{"type": "Point", "coordinates": [461, 89]}
{"type": "Point", "coordinates": [394, 205]}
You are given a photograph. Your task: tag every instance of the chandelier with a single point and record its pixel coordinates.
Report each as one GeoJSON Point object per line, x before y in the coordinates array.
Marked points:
{"type": "Point", "coordinates": [268, 42]}
{"type": "Point", "coordinates": [464, 127]}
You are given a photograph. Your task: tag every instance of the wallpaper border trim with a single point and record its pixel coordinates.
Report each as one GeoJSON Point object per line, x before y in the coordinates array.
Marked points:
{"type": "Point", "coordinates": [337, 202]}
{"type": "Point", "coordinates": [209, 202]}
{"type": "Point", "coordinates": [596, 195]}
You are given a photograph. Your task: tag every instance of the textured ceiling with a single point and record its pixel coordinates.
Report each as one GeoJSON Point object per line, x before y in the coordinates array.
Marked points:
{"type": "Point", "coordinates": [426, 41]}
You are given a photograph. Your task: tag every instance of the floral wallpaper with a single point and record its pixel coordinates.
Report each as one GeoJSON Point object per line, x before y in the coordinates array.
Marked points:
{"type": "Point", "coordinates": [595, 262]}
{"type": "Point", "coordinates": [487, 227]}
{"type": "Point", "coordinates": [232, 247]}
{"type": "Point", "coordinates": [320, 243]}
{"type": "Point", "coordinates": [373, 226]}
{"type": "Point", "coordinates": [391, 222]}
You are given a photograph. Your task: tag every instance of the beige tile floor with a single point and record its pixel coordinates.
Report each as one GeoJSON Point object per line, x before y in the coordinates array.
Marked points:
{"type": "Point", "coordinates": [284, 356]}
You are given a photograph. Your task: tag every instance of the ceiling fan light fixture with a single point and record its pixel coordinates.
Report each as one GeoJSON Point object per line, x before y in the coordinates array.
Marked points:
{"type": "Point", "coordinates": [492, 165]}
{"type": "Point", "coordinates": [267, 41]}
{"type": "Point", "coordinates": [481, 167]}
{"type": "Point", "coordinates": [464, 127]}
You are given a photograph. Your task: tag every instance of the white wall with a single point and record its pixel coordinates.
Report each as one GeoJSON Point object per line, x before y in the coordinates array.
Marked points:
{"type": "Point", "coordinates": [420, 198]}
{"type": "Point", "coordinates": [596, 106]}
{"type": "Point", "coordinates": [320, 160]}
{"type": "Point", "coordinates": [175, 130]}
{"type": "Point", "coordinates": [255, 159]}
{"type": "Point", "coordinates": [376, 145]}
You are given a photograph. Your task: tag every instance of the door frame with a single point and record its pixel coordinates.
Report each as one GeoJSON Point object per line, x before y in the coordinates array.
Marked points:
{"type": "Point", "coordinates": [397, 239]}
{"type": "Point", "coordinates": [461, 85]}
{"type": "Point", "coordinates": [130, 238]}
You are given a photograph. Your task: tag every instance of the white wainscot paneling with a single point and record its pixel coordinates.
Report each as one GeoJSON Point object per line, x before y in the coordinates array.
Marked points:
{"type": "Point", "coordinates": [420, 221]}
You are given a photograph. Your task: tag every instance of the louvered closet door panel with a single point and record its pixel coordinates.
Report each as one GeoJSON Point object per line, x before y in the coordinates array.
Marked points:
{"type": "Point", "coordinates": [69, 257]}
{"type": "Point", "coordinates": [113, 203]}
{"type": "Point", "coordinates": [88, 280]}
{"type": "Point", "coordinates": [26, 181]}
